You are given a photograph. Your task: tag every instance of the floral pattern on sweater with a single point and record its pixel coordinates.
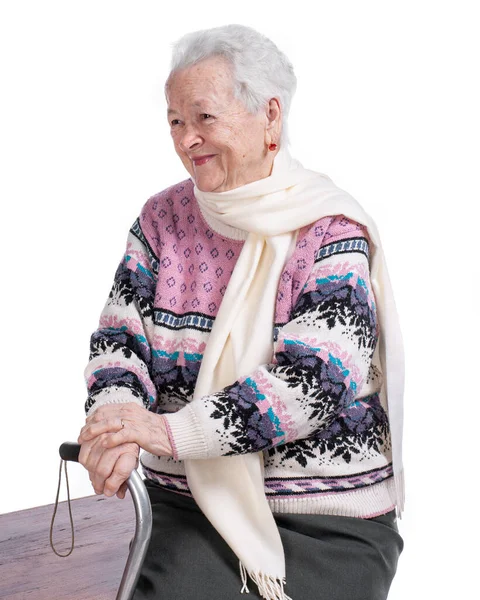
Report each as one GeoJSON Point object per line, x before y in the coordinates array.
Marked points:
{"type": "Point", "coordinates": [314, 411]}
{"type": "Point", "coordinates": [321, 379]}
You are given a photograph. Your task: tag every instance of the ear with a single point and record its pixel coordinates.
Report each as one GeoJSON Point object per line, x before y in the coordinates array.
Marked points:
{"type": "Point", "coordinates": [274, 121]}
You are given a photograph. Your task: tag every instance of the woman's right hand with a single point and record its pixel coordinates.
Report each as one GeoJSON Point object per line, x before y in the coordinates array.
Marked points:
{"type": "Point", "coordinates": [109, 468]}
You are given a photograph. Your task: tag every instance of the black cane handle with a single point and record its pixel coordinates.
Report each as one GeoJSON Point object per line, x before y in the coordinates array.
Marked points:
{"type": "Point", "coordinates": [70, 451]}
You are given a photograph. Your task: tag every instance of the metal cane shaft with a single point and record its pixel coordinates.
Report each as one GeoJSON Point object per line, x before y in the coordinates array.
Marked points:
{"type": "Point", "coordinates": [143, 530]}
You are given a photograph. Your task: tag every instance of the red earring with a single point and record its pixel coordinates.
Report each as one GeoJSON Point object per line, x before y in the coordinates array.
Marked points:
{"type": "Point", "coordinates": [272, 147]}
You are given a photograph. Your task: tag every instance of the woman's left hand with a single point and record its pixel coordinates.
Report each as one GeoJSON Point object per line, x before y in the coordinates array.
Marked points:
{"type": "Point", "coordinates": [128, 423]}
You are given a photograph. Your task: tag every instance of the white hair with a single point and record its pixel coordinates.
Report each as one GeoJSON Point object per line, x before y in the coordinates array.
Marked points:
{"type": "Point", "coordinates": [260, 70]}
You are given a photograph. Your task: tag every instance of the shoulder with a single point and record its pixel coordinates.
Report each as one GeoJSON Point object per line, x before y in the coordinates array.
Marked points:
{"type": "Point", "coordinates": [341, 227]}
{"type": "Point", "coordinates": [325, 235]}
{"type": "Point", "coordinates": [165, 202]}
{"type": "Point", "coordinates": [160, 214]}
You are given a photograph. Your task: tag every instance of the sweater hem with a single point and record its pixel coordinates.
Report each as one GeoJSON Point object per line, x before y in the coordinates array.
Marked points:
{"type": "Point", "coordinates": [364, 503]}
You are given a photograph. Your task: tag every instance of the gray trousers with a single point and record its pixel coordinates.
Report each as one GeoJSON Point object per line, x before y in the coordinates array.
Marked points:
{"type": "Point", "coordinates": [327, 557]}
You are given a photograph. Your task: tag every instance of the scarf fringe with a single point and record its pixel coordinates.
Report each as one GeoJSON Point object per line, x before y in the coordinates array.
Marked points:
{"type": "Point", "coordinates": [269, 587]}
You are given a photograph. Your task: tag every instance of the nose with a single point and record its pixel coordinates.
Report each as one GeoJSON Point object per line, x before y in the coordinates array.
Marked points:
{"type": "Point", "coordinates": [190, 139]}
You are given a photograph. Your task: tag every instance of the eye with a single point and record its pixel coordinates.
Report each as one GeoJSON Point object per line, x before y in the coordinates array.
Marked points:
{"type": "Point", "coordinates": [205, 116]}
{"type": "Point", "coordinates": [174, 122]}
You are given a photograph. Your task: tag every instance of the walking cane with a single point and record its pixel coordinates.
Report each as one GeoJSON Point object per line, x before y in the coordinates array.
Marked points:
{"type": "Point", "coordinates": [143, 530]}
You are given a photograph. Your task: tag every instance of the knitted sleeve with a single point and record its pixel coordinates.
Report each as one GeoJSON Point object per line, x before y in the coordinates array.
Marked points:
{"type": "Point", "coordinates": [120, 352]}
{"type": "Point", "coordinates": [321, 363]}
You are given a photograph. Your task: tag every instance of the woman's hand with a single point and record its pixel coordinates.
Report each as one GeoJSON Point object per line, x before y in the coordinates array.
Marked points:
{"type": "Point", "coordinates": [117, 424]}
{"type": "Point", "coordinates": [109, 468]}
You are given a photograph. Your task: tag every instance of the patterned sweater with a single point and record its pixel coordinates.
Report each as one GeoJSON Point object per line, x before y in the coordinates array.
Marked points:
{"type": "Point", "coordinates": [314, 412]}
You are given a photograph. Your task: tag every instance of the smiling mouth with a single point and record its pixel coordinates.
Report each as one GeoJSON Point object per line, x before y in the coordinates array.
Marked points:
{"type": "Point", "coordinates": [201, 160]}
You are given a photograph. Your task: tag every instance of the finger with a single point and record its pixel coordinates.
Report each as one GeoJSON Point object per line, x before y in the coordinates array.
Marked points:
{"type": "Point", "coordinates": [88, 460]}
{"type": "Point", "coordinates": [121, 472]}
{"type": "Point", "coordinates": [106, 464]}
{"type": "Point", "coordinates": [94, 429]}
{"type": "Point", "coordinates": [83, 459]}
{"type": "Point", "coordinates": [98, 461]}
{"type": "Point", "coordinates": [126, 434]}
{"type": "Point", "coordinates": [122, 490]}
{"type": "Point", "coordinates": [85, 455]}
{"type": "Point", "coordinates": [104, 469]}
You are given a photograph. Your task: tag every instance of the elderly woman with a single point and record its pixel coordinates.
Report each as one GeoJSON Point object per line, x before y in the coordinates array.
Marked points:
{"type": "Point", "coordinates": [250, 346]}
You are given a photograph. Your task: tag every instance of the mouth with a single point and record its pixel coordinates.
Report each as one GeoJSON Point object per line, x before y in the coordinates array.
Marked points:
{"type": "Point", "coordinates": [198, 161]}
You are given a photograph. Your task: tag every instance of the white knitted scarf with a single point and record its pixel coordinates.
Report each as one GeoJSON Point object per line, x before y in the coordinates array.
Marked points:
{"type": "Point", "coordinates": [230, 490]}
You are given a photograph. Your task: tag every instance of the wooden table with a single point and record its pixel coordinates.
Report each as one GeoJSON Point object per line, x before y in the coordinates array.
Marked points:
{"type": "Point", "coordinates": [29, 570]}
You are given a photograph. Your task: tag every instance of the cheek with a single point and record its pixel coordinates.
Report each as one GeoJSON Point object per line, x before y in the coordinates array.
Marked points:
{"type": "Point", "coordinates": [177, 147]}
{"type": "Point", "coordinates": [236, 144]}
{"type": "Point", "coordinates": [175, 139]}
{"type": "Point", "coordinates": [248, 147]}
{"type": "Point", "coordinates": [184, 158]}
{"type": "Point", "coordinates": [250, 139]}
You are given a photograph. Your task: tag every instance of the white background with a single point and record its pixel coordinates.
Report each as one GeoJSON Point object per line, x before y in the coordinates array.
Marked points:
{"type": "Point", "coordinates": [387, 105]}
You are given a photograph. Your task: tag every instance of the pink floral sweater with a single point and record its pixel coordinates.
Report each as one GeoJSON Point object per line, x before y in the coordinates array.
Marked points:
{"type": "Point", "coordinates": [314, 411]}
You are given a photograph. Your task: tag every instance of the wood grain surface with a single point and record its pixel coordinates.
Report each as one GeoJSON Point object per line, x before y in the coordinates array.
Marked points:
{"type": "Point", "coordinates": [29, 570]}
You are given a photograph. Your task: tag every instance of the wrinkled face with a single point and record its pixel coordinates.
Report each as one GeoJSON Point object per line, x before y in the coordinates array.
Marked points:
{"type": "Point", "coordinates": [221, 145]}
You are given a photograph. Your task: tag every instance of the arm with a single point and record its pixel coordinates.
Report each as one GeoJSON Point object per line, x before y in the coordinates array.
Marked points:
{"type": "Point", "coordinates": [120, 354]}
{"type": "Point", "coordinates": [321, 360]}
{"type": "Point", "coordinates": [118, 374]}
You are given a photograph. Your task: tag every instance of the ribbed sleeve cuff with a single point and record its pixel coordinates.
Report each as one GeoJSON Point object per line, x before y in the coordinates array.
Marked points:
{"type": "Point", "coordinates": [112, 395]}
{"type": "Point", "coordinates": [186, 436]}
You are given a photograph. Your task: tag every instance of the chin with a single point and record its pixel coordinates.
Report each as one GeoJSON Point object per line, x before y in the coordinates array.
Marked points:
{"type": "Point", "coordinates": [209, 185]}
